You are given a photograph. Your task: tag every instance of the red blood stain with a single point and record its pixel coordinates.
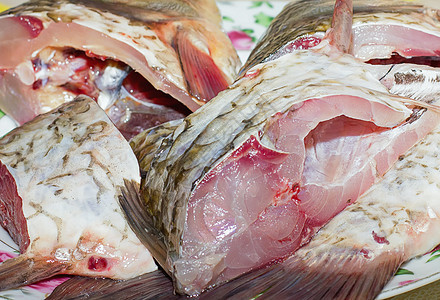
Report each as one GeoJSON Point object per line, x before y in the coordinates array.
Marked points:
{"type": "Point", "coordinates": [365, 253]}
{"type": "Point", "coordinates": [289, 192]}
{"type": "Point", "coordinates": [97, 263]}
{"type": "Point", "coordinates": [33, 25]}
{"type": "Point", "coordinates": [303, 43]}
{"type": "Point", "coordinates": [379, 239]}
{"type": "Point", "coordinates": [433, 61]}
{"type": "Point", "coordinates": [252, 73]}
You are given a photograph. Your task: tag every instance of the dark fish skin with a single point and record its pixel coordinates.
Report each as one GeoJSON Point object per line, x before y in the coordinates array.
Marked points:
{"type": "Point", "coordinates": [78, 288]}
{"type": "Point", "coordinates": [147, 61]}
{"type": "Point", "coordinates": [135, 10]}
{"type": "Point", "coordinates": [309, 16]}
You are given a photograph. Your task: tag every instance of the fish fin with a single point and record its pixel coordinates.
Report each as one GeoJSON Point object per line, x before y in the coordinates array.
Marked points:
{"type": "Point", "coordinates": [22, 270]}
{"type": "Point", "coordinates": [340, 34]}
{"type": "Point", "coordinates": [141, 223]}
{"type": "Point", "coordinates": [78, 286]}
{"type": "Point", "coordinates": [346, 274]}
{"type": "Point", "coordinates": [204, 78]}
{"type": "Point", "coordinates": [154, 285]}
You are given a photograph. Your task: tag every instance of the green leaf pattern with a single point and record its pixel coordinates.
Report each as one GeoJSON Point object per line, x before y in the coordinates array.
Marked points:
{"type": "Point", "coordinates": [434, 256]}
{"type": "Point", "coordinates": [402, 271]}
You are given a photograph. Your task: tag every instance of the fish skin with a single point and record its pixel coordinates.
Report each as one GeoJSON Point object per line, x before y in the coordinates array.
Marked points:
{"type": "Point", "coordinates": [184, 155]}
{"type": "Point", "coordinates": [192, 151]}
{"type": "Point", "coordinates": [69, 167]}
{"type": "Point", "coordinates": [143, 34]}
{"type": "Point", "coordinates": [244, 104]}
{"type": "Point", "coordinates": [162, 138]}
{"type": "Point", "coordinates": [308, 17]}
{"type": "Point", "coordinates": [360, 249]}
{"type": "Point", "coordinates": [152, 285]}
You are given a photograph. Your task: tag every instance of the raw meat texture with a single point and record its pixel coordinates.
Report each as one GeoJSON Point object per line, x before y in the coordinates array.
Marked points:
{"type": "Point", "coordinates": [173, 51]}
{"type": "Point", "coordinates": [249, 178]}
{"type": "Point", "coordinates": [219, 193]}
{"type": "Point", "coordinates": [62, 174]}
{"type": "Point", "coordinates": [381, 29]}
{"type": "Point", "coordinates": [360, 249]}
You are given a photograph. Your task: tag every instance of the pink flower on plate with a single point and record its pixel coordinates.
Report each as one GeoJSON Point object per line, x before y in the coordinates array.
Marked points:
{"type": "Point", "coordinates": [45, 286]}
{"type": "Point", "coordinates": [406, 282]}
{"type": "Point", "coordinates": [241, 40]}
{"type": "Point", "coordinates": [6, 255]}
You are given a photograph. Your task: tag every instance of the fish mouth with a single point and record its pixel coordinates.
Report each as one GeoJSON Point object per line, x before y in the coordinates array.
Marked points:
{"type": "Point", "coordinates": [132, 103]}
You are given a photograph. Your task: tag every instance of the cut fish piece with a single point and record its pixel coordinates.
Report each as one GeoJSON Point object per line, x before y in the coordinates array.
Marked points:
{"type": "Point", "coordinates": [61, 176]}
{"type": "Point", "coordinates": [127, 56]}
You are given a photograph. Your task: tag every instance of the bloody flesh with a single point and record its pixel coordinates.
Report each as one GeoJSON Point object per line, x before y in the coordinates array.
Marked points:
{"type": "Point", "coordinates": [11, 213]}
{"type": "Point", "coordinates": [77, 72]}
{"type": "Point", "coordinates": [323, 155]}
{"type": "Point", "coordinates": [432, 61]}
{"type": "Point", "coordinates": [33, 25]}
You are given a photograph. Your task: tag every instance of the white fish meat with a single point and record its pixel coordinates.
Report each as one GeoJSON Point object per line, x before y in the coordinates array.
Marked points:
{"type": "Point", "coordinates": [251, 177]}
{"type": "Point", "coordinates": [226, 199]}
{"type": "Point", "coordinates": [61, 176]}
{"type": "Point", "coordinates": [361, 248]}
{"type": "Point", "coordinates": [145, 62]}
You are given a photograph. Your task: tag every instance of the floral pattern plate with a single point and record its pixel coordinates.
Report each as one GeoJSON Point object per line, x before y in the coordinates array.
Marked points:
{"type": "Point", "coordinates": [245, 22]}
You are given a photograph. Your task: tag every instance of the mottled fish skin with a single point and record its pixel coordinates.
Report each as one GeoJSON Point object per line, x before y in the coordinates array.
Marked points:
{"type": "Point", "coordinates": [155, 38]}
{"type": "Point", "coordinates": [189, 151]}
{"type": "Point", "coordinates": [315, 16]}
{"type": "Point", "coordinates": [360, 249]}
{"type": "Point", "coordinates": [70, 166]}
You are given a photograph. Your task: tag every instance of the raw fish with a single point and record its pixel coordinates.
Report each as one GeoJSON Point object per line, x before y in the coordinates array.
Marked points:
{"type": "Point", "coordinates": [400, 39]}
{"type": "Point", "coordinates": [361, 248]}
{"type": "Point", "coordinates": [145, 62]}
{"type": "Point", "coordinates": [249, 178]}
{"type": "Point", "coordinates": [385, 32]}
{"type": "Point", "coordinates": [235, 187]}
{"type": "Point", "coordinates": [61, 176]}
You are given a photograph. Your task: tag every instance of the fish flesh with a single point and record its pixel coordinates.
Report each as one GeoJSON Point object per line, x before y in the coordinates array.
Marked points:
{"type": "Point", "coordinates": [383, 32]}
{"type": "Point", "coordinates": [381, 29]}
{"type": "Point", "coordinates": [61, 176]}
{"type": "Point", "coordinates": [400, 40]}
{"type": "Point", "coordinates": [221, 200]}
{"type": "Point", "coordinates": [144, 62]}
{"type": "Point", "coordinates": [360, 249]}
{"type": "Point", "coordinates": [288, 143]}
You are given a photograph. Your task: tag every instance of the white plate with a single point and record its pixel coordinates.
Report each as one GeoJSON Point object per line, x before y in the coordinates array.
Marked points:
{"type": "Point", "coordinates": [245, 22]}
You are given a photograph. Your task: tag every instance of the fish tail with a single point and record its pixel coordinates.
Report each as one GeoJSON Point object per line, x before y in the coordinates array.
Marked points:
{"type": "Point", "coordinates": [154, 285]}
{"type": "Point", "coordinates": [349, 274]}
{"type": "Point", "coordinates": [340, 34]}
{"type": "Point", "coordinates": [204, 78]}
{"type": "Point", "coordinates": [22, 270]}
